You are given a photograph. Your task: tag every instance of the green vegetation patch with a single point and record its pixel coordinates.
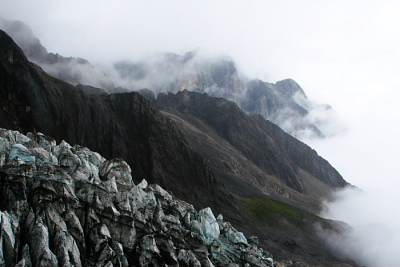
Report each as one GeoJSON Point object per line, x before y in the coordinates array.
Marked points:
{"type": "Point", "coordinates": [278, 214]}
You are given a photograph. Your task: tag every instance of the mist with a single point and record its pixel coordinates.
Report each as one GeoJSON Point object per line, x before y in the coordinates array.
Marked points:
{"type": "Point", "coordinates": [373, 238]}
{"type": "Point", "coordinates": [343, 53]}
{"type": "Point", "coordinates": [367, 156]}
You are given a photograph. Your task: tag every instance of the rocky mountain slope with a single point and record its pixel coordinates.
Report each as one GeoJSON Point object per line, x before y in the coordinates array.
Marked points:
{"type": "Point", "coordinates": [126, 125]}
{"type": "Point", "coordinates": [68, 206]}
{"type": "Point", "coordinates": [283, 103]}
{"type": "Point", "coordinates": [248, 149]}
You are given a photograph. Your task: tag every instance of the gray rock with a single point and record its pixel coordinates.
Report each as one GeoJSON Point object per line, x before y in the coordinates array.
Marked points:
{"type": "Point", "coordinates": [38, 240]}
{"type": "Point", "coordinates": [8, 239]}
{"type": "Point", "coordinates": [119, 171]}
{"type": "Point", "coordinates": [25, 258]}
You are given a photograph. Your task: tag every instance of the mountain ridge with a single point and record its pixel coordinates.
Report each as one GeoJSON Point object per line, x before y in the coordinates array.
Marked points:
{"type": "Point", "coordinates": [123, 125]}
{"type": "Point", "coordinates": [284, 102]}
{"type": "Point", "coordinates": [250, 149]}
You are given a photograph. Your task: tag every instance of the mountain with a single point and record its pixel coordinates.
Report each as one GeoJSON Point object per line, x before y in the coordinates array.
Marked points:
{"type": "Point", "coordinates": [150, 140]}
{"type": "Point", "coordinates": [283, 103]}
{"type": "Point", "coordinates": [121, 125]}
{"type": "Point", "coordinates": [248, 149]}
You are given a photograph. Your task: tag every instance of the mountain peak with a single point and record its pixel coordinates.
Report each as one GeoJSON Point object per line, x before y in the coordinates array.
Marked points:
{"type": "Point", "coordinates": [24, 36]}
{"type": "Point", "coordinates": [289, 87]}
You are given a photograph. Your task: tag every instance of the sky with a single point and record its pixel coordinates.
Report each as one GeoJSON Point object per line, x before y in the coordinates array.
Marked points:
{"type": "Point", "coordinates": [344, 53]}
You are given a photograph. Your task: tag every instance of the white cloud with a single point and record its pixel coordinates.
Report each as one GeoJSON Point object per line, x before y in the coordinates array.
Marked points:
{"type": "Point", "coordinates": [374, 237]}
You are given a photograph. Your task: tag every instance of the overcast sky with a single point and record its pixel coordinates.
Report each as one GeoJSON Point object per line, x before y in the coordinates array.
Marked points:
{"type": "Point", "coordinates": [342, 52]}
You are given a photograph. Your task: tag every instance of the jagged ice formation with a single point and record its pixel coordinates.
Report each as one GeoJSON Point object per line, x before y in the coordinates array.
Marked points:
{"type": "Point", "coordinates": [65, 205]}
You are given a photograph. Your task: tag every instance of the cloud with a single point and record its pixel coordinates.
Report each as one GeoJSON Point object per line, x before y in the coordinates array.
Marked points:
{"type": "Point", "coordinates": [373, 238]}
{"type": "Point", "coordinates": [320, 121]}
{"type": "Point", "coordinates": [76, 71]}
{"type": "Point", "coordinates": [367, 155]}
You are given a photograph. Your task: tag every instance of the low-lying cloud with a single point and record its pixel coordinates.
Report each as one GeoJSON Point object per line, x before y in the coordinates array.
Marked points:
{"type": "Point", "coordinates": [319, 116]}
{"type": "Point", "coordinates": [367, 156]}
{"type": "Point", "coordinates": [373, 236]}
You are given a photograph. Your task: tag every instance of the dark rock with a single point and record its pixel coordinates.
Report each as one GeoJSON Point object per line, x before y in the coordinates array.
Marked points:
{"type": "Point", "coordinates": [148, 94]}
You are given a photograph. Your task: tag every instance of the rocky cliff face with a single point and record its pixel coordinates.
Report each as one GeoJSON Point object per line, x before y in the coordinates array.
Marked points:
{"type": "Point", "coordinates": [69, 206]}
{"type": "Point", "coordinates": [121, 125]}
{"type": "Point", "coordinates": [301, 155]}
{"type": "Point", "coordinates": [234, 126]}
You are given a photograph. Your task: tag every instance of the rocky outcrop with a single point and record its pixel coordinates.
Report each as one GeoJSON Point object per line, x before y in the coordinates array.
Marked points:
{"type": "Point", "coordinates": [66, 205]}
